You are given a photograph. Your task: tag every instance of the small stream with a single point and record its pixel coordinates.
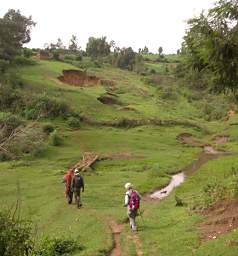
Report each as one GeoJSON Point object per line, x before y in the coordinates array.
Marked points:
{"type": "Point", "coordinates": [208, 154]}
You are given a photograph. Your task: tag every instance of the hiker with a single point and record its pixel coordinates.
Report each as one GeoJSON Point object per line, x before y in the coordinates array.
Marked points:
{"type": "Point", "coordinates": [77, 185]}
{"type": "Point", "coordinates": [132, 202]}
{"type": "Point", "coordinates": [67, 180]}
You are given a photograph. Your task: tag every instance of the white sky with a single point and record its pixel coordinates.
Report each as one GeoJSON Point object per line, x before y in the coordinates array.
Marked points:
{"type": "Point", "coordinates": [133, 23]}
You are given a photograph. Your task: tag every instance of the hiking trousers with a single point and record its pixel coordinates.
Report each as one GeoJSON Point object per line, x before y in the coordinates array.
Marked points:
{"type": "Point", "coordinates": [69, 196]}
{"type": "Point", "coordinates": [132, 213]}
{"type": "Point", "coordinates": [77, 197]}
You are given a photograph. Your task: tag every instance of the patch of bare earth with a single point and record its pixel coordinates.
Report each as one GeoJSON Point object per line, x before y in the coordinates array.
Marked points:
{"type": "Point", "coordinates": [187, 138]}
{"type": "Point", "coordinates": [220, 139]}
{"type": "Point", "coordinates": [221, 218]}
{"type": "Point", "coordinates": [116, 231]}
{"type": "Point", "coordinates": [78, 78]}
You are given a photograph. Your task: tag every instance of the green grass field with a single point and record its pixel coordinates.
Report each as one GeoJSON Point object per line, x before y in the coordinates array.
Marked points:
{"type": "Point", "coordinates": [155, 154]}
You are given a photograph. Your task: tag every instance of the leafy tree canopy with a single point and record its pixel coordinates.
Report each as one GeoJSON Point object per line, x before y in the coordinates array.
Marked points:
{"type": "Point", "coordinates": [14, 32]}
{"type": "Point", "coordinates": [97, 47]}
{"type": "Point", "coordinates": [211, 45]}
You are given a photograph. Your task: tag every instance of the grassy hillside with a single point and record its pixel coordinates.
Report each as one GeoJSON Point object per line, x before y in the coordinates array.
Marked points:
{"type": "Point", "coordinates": [146, 155]}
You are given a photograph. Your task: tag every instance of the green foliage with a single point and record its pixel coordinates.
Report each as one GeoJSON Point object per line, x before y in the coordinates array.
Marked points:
{"type": "Point", "coordinates": [22, 60]}
{"type": "Point", "coordinates": [58, 247]}
{"type": "Point", "coordinates": [56, 55]}
{"type": "Point", "coordinates": [169, 93]}
{"type": "Point", "coordinates": [78, 58]}
{"type": "Point", "coordinates": [124, 58]}
{"type": "Point", "coordinates": [210, 45]}
{"type": "Point", "coordinates": [46, 106]}
{"type": "Point", "coordinates": [73, 122]}
{"type": "Point", "coordinates": [214, 110]}
{"type": "Point", "coordinates": [73, 45]}
{"type": "Point", "coordinates": [55, 139]}
{"type": "Point", "coordinates": [97, 47]}
{"type": "Point", "coordinates": [14, 32]}
{"type": "Point", "coordinates": [48, 128]}
{"type": "Point", "coordinates": [15, 235]}
{"type": "Point", "coordinates": [27, 52]}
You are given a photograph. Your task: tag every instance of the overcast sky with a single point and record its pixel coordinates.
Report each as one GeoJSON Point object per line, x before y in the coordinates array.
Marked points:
{"type": "Point", "coordinates": [133, 23]}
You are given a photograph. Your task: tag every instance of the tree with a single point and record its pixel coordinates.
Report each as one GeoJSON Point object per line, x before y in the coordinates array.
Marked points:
{"type": "Point", "coordinates": [73, 45]}
{"type": "Point", "coordinates": [211, 45]}
{"type": "Point", "coordinates": [97, 47]}
{"type": "Point", "coordinates": [125, 58]}
{"type": "Point", "coordinates": [59, 45]}
{"type": "Point", "coordinates": [145, 50]}
{"type": "Point", "coordinates": [14, 32]}
{"type": "Point", "coordinates": [160, 50]}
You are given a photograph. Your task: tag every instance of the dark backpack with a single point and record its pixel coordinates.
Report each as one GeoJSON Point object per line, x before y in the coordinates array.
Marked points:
{"type": "Point", "coordinates": [78, 182]}
{"type": "Point", "coordinates": [134, 201]}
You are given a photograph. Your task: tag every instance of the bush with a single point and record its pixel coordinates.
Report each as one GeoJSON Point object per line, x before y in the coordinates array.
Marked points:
{"type": "Point", "coordinates": [45, 106]}
{"type": "Point", "coordinates": [55, 139]}
{"type": "Point", "coordinates": [15, 236]}
{"type": "Point", "coordinates": [169, 93]}
{"type": "Point", "coordinates": [73, 122]}
{"type": "Point", "coordinates": [8, 123]}
{"type": "Point", "coordinates": [78, 58]}
{"type": "Point", "coordinates": [58, 246]}
{"type": "Point", "coordinates": [48, 128]}
{"type": "Point", "coordinates": [21, 60]}
{"type": "Point", "coordinates": [27, 52]}
{"type": "Point", "coordinates": [214, 110]}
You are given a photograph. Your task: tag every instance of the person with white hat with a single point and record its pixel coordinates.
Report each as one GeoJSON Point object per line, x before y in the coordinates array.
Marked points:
{"type": "Point", "coordinates": [77, 185]}
{"type": "Point", "coordinates": [132, 202]}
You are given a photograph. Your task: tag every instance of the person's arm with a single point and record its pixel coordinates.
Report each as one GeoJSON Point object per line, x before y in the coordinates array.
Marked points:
{"type": "Point", "coordinates": [72, 184]}
{"type": "Point", "coordinates": [82, 184]}
{"type": "Point", "coordinates": [126, 199]}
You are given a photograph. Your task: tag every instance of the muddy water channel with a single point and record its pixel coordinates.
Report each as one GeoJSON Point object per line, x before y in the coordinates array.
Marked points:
{"type": "Point", "coordinates": [208, 154]}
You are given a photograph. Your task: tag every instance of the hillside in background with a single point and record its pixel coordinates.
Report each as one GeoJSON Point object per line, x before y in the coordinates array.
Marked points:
{"type": "Point", "coordinates": [134, 123]}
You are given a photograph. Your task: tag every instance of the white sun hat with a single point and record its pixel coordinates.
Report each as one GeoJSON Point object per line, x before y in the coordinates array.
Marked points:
{"type": "Point", "coordinates": [128, 185]}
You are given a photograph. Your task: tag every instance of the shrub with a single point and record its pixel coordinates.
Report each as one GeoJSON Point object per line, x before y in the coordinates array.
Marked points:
{"type": "Point", "coordinates": [27, 52]}
{"type": "Point", "coordinates": [169, 93]}
{"type": "Point", "coordinates": [21, 60]}
{"type": "Point", "coordinates": [48, 128]}
{"type": "Point", "coordinates": [73, 122]}
{"type": "Point", "coordinates": [58, 246]}
{"type": "Point", "coordinates": [55, 139]}
{"type": "Point", "coordinates": [45, 106]}
{"type": "Point", "coordinates": [15, 235]}
{"type": "Point", "coordinates": [214, 110]}
{"type": "Point", "coordinates": [78, 58]}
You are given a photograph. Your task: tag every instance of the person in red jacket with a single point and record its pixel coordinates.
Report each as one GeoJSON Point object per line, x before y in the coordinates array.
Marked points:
{"type": "Point", "coordinates": [67, 180]}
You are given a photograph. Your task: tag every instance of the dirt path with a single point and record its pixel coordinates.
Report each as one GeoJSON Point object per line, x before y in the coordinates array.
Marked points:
{"type": "Point", "coordinates": [135, 238]}
{"type": "Point", "coordinates": [116, 231]}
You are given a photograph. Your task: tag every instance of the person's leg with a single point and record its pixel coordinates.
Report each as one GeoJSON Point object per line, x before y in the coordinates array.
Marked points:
{"type": "Point", "coordinates": [77, 199]}
{"type": "Point", "coordinates": [132, 217]}
{"type": "Point", "coordinates": [70, 197]}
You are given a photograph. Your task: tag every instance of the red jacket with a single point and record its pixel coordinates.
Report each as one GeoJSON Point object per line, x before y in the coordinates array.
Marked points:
{"type": "Point", "coordinates": [67, 179]}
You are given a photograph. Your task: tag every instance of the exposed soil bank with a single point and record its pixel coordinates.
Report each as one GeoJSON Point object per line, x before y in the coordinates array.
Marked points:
{"type": "Point", "coordinates": [221, 218]}
{"type": "Point", "coordinates": [78, 78]}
